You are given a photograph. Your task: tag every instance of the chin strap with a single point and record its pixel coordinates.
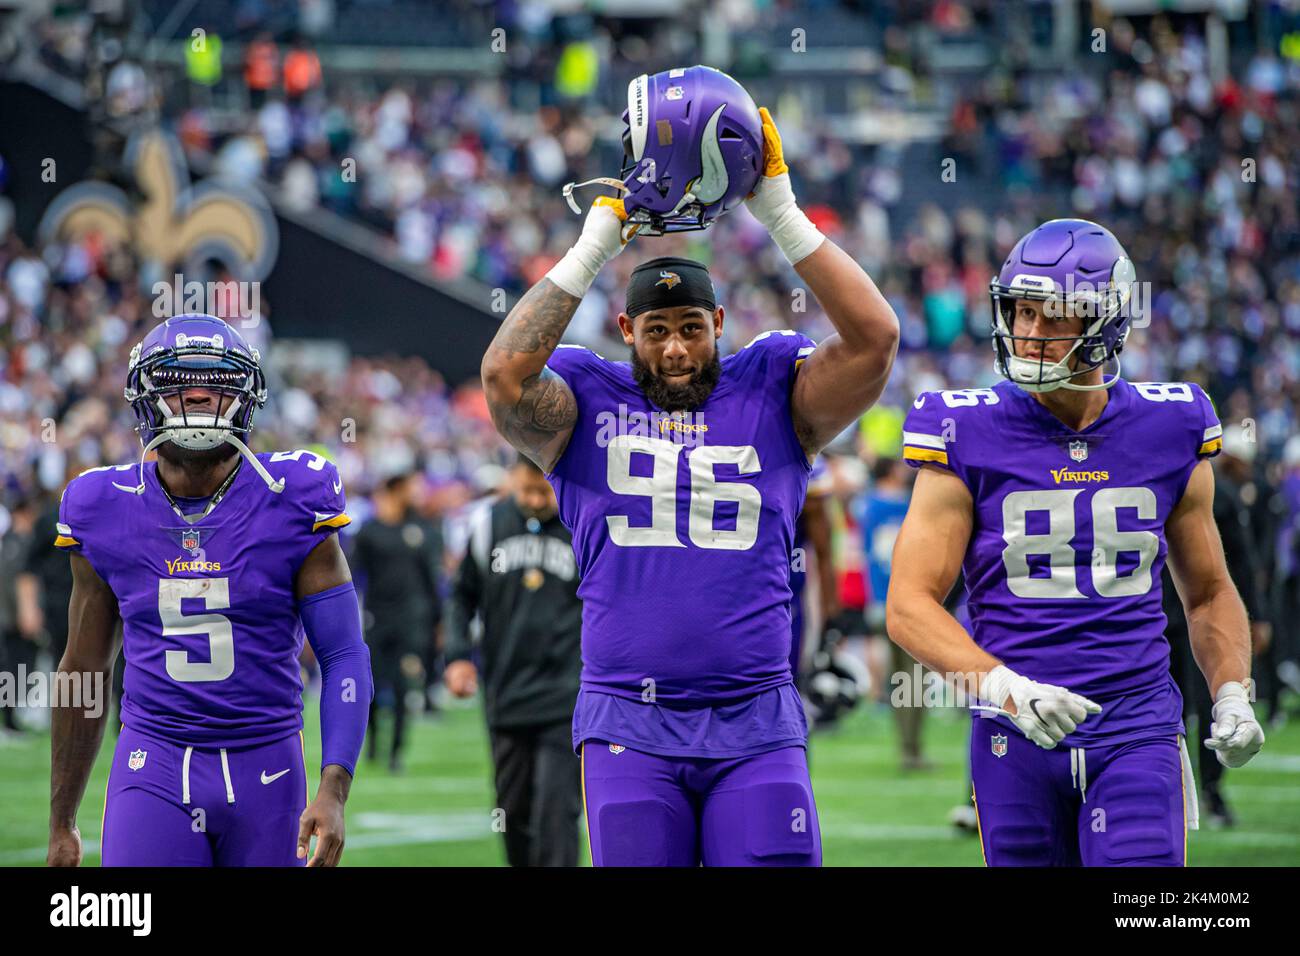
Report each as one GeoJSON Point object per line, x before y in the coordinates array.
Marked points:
{"type": "Point", "coordinates": [639, 221]}
{"type": "Point", "coordinates": [567, 191]}
{"type": "Point", "coordinates": [139, 488]}
{"type": "Point", "coordinates": [1101, 386]}
{"type": "Point", "coordinates": [275, 484]}
{"type": "Point", "coordinates": [1036, 388]}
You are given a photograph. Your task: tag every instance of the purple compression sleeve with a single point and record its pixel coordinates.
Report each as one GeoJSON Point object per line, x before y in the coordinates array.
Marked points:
{"type": "Point", "coordinates": [332, 621]}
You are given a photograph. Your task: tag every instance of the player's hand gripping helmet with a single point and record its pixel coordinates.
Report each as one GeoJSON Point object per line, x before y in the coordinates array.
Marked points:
{"type": "Point", "coordinates": [195, 351]}
{"type": "Point", "coordinates": [693, 149]}
{"type": "Point", "coordinates": [1074, 265]}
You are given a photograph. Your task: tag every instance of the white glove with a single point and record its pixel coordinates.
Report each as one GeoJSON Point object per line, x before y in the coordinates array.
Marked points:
{"type": "Point", "coordinates": [1235, 734]}
{"type": "Point", "coordinates": [603, 237]}
{"type": "Point", "coordinates": [1044, 713]}
{"type": "Point", "coordinates": [772, 202]}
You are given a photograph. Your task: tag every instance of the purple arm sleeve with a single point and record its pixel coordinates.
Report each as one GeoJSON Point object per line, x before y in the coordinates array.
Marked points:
{"type": "Point", "coordinates": [332, 621]}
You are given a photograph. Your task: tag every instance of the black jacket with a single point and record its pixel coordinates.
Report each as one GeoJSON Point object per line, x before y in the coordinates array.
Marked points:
{"type": "Point", "coordinates": [520, 579]}
{"type": "Point", "coordinates": [399, 567]}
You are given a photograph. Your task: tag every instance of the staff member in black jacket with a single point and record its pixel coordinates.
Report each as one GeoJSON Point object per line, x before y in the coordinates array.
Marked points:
{"type": "Point", "coordinates": [520, 578]}
{"type": "Point", "coordinates": [397, 557]}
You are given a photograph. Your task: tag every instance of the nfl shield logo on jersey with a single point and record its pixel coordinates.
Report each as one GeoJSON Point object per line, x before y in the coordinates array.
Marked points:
{"type": "Point", "coordinates": [136, 760]}
{"type": "Point", "coordinates": [190, 541]}
{"type": "Point", "coordinates": [999, 745]}
{"type": "Point", "coordinates": [1078, 451]}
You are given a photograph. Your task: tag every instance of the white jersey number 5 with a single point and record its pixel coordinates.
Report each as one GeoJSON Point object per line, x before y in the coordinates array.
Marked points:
{"type": "Point", "coordinates": [215, 594]}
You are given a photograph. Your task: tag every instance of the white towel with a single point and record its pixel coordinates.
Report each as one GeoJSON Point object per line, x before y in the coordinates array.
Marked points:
{"type": "Point", "coordinates": [1191, 806]}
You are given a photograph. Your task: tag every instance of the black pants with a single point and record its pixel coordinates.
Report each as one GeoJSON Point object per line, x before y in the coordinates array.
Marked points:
{"type": "Point", "coordinates": [539, 788]}
{"type": "Point", "coordinates": [14, 650]}
{"type": "Point", "coordinates": [391, 685]}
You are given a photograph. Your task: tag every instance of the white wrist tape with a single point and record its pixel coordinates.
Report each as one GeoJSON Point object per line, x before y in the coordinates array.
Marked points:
{"type": "Point", "coordinates": [996, 685]}
{"type": "Point", "coordinates": [774, 206]}
{"type": "Point", "coordinates": [577, 270]}
{"type": "Point", "coordinates": [600, 241]}
{"type": "Point", "coordinates": [1234, 689]}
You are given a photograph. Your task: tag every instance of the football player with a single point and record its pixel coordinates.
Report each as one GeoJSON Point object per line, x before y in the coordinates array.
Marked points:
{"type": "Point", "coordinates": [1059, 493]}
{"type": "Point", "coordinates": [681, 474]}
{"type": "Point", "coordinates": [216, 560]}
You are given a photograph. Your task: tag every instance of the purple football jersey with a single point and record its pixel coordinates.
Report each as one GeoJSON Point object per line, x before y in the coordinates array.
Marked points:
{"type": "Point", "coordinates": [1063, 566]}
{"type": "Point", "coordinates": [683, 526]}
{"type": "Point", "coordinates": [210, 624]}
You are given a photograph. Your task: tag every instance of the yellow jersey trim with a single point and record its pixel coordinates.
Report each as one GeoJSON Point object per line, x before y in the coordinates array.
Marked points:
{"type": "Point", "coordinates": [339, 520]}
{"type": "Point", "coordinates": [925, 454]}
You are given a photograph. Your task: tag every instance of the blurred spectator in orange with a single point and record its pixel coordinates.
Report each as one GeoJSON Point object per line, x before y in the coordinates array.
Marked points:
{"type": "Point", "coordinates": [261, 64]}
{"type": "Point", "coordinates": [301, 71]}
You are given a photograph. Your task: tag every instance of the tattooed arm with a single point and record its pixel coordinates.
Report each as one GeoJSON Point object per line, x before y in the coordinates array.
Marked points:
{"type": "Point", "coordinates": [531, 406]}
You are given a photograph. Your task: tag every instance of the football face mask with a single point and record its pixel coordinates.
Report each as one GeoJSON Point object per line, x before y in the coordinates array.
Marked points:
{"type": "Point", "coordinates": [1074, 267]}
{"type": "Point", "coordinates": [693, 149]}
{"type": "Point", "coordinates": [195, 352]}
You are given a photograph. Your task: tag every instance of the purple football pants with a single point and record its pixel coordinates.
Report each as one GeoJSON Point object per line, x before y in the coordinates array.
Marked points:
{"type": "Point", "coordinates": [646, 810]}
{"type": "Point", "coordinates": [1119, 805]}
{"type": "Point", "coordinates": [169, 805]}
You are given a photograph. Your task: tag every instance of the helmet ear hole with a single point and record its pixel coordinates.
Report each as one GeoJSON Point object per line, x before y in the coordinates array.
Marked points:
{"type": "Point", "coordinates": [1006, 310]}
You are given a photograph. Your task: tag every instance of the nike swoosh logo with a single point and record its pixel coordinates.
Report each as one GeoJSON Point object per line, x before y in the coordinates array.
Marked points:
{"type": "Point", "coordinates": [273, 777]}
{"type": "Point", "coordinates": [338, 486]}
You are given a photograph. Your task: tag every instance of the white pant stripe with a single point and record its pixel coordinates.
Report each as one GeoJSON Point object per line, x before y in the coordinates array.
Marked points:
{"type": "Point", "coordinates": [185, 776]}
{"type": "Point", "coordinates": [225, 772]}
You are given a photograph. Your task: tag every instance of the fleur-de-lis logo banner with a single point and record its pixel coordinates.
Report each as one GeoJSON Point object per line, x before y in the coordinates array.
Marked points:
{"type": "Point", "coordinates": [176, 224]}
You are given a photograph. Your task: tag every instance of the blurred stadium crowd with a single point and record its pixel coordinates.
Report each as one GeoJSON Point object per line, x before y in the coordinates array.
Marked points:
{"type": "Point", "coordinates": [1200, 178]}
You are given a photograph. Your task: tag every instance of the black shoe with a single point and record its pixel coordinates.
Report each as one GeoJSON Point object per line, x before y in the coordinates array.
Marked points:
{"type": "Point", "coordinates": [1216, 810]}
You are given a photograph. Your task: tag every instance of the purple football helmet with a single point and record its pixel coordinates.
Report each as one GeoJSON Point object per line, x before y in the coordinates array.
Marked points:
{"type": "Point", "coordinates": [693, 149]}
{"type": "Point", "coordinates": [1074, 266]}
{"type": "Point", "coordinates": [194, 351]}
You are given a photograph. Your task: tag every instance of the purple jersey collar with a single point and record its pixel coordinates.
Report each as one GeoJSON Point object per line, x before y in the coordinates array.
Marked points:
{"type": "Point", "coordinates": [1119, 397]}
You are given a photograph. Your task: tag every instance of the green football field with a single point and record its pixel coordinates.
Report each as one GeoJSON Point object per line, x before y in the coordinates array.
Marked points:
{"type": "Point", "coordinates": [439, 810]}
